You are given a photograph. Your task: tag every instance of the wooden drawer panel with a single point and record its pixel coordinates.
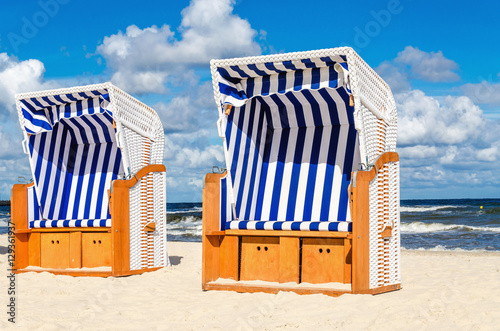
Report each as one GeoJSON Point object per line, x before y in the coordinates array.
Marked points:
{"type": "Point", "coordinates": [322, 260]}
{"type": "Point", "coordinates": [54, 250]}
{"type": "Point", "coordinates": [260, 258]}
{"type": "Point", "coordinates": [96, 249]}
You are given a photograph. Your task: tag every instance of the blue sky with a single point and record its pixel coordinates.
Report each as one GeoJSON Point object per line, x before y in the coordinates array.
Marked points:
{"type": "Point", "coordinates": [440, 58]}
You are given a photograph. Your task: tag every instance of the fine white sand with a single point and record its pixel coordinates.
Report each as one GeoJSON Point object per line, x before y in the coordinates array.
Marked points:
{"type": "Point", "coordinates": [441, 291]}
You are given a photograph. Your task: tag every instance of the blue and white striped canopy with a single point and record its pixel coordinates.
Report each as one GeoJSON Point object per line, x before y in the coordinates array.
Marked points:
{"type": "Point", "coordinates": [290, 143]}
{"type": "Point", "coordinates": [239, 83]}
{"type": "Point", "coordinates": [74, 156]}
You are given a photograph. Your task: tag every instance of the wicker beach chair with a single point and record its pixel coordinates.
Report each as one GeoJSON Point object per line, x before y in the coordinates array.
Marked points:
{"type": "Point", "coordinates": [311, 192]}
{"type": "Point", "coordinates": [97, 204]}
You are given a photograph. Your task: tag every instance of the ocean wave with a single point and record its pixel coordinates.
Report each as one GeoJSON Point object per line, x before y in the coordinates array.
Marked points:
{"type": "Point", "coordinates": [441, 248]}
{"type": "Point", "coordinates": [4, 221]}
{"type": "Point", "coordinates": [421, 209]}
{"type": "Point", "coordinates": [187, 225]}
{"type": "Point", "coordinates": [188, 211]}
{"type": "Point", "coordinates": [420, 227]}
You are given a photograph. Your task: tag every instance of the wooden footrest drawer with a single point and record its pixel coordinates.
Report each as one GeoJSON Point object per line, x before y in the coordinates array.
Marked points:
{"type": "Point", "coordinates": [322, 260]}
{"type": "Point", "coordinates": [96, 249]}
{"type": "Point", "coordinates": [260, 258]}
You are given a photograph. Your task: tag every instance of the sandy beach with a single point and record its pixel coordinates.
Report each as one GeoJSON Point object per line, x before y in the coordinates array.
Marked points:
{"type": "Point", "coordinates": [441, 290]}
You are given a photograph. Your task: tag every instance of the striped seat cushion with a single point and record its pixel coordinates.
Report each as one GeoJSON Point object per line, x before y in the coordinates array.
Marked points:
{"type": "Point", "coordinates": [289, 226]}
{"type": "Point", "coordinates": [70, 223]}
{"type": "Point", "coordinates": [291, 146]}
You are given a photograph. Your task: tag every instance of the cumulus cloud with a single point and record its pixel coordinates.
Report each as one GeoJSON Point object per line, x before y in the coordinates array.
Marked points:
{"type": "Point", "coordinates": [423, 119]}
{"type": "Point", "coordinates": [445, 144]}
{"type": "Point", "coordinates": [432, 67]}
{"type": "Point", "coordinates": [483, 93]}
{"type": "Point", "coordinates": [19, 76]}
{"type": "Point", "coordinates": [392, 75]}
{"type": "Point", "coordinates": [143, 59]}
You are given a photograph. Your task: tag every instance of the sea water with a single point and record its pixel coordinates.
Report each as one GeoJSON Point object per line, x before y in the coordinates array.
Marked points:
{"type": "Point", "coordinates": [425, 224]}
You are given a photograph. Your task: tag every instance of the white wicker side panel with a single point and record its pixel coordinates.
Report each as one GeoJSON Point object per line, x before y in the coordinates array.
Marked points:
{"type": "Point", "coordinates": [160, 212]}
{"type": "Point", "coordinates": [144, 143]}
{"type": "Point", "coordinates": [135, 228]}
{"type": "Point", "coordinates": [395, 241]}
{"type": "Point", "coordinates": [384, 257]}
{"type": "Point", "coordinates": [141, 204]}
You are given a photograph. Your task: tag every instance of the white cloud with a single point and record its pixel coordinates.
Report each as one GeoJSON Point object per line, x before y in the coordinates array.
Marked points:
{"type": "Point", "coordinates": [424, 120]}
{"type": "Point", "coordinates": [143, 59]}
{"type": "Point", "coordinates": [19, 76]}
{"type": "Point", "coordinates": [448, 149]}
{"type": "Point", "coordinates": [392, 75]}
{"type": "Point", "coordinates": [483, 93]}
{"type": "Point", "coordinates": [433, 66]}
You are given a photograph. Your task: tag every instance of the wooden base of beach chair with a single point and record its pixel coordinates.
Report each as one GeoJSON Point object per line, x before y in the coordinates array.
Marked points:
{"type": "Point", "coordinates": [92, 251]}
{"type": "Point", "coordinates": [283, 257]}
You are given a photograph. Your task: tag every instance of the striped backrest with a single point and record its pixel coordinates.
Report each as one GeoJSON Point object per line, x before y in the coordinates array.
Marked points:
{"type": "Point", "coordinates": [74, 156]}
{"type": "Point", "coordinates": [290, 140]}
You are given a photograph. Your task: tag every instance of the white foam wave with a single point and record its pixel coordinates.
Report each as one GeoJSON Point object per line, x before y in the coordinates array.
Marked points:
{"type": "Point", "coordinates": [4, 221]}
{"type": "Point", "coordinates": [441, 248]}
{"type": "Point", "coordinates": [194, 210]}
{"type": "Point", "coordinates": [188, 225]}
{"type": "Point", "coordinates": [420, 227]}
{"type": "Point", "coordinates": [421, 209]}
